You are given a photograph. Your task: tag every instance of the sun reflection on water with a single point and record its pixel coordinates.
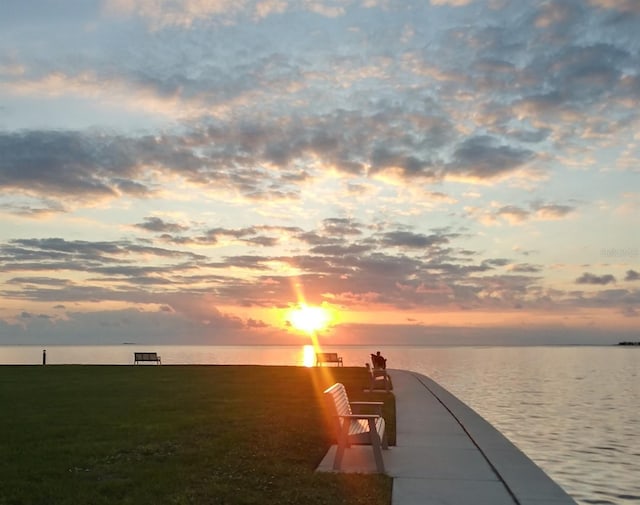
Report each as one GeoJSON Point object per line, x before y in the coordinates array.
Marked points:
{"type": "Point", "coordinates": [308, 356]}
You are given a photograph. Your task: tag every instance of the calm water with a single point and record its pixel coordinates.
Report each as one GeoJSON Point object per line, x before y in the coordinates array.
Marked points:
{"type": "Point", "coordinates": [573, 410]}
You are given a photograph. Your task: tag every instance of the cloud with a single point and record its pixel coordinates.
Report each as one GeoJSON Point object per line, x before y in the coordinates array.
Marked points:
{"type": "Point", "coordinates": [553, 13]}
{"type": "Point", "coordinates": [115, 326]}
{"type": "Point", "coordinates": [118, 275]}
{"type": "Point", "coordinates": [580, 78]}
{"type": "Point", "coordinates": [80, 166]}
{"type": "Point", "coordinates": [619, 299]}
{"type": "Point", "coordinates": [41, 281]}
{"type": "Point", "coordinates": [630, 6]}
{"type": "Point", "coordinates": [513, 214]}
{"type": "Point", "coordinates": [632, 275]}
{"type": "Point", "coordinates": [252, 235]}
{"type": "Point", "coordinates": [412, 240]}
{"type": "Point", "coordinates": [483, 157]}
{"type": "Point", "coordinates": [352, 265]}
{"type": "Point", "coordinates": [517, 215]}
{"type": "Point", "coordinates": [31, 207]}
{"type": "Point", "coordinates": [588, 278]}
{"type": "Point", "coordinates": [341, 249]}
{"type": "Point", "coordinates": [58, 163]}
{"type": "Point", "coordinates": [551, 211]}
{"type": "Point", "coordinates": [156, 224]}
{"type": "Point", "coordinates": [88, 167]}
{"type": "Point", "coordinates": [585, 72]}
{"type": "Point", "coordinates": [340, 227]}
{"type": "Point", "coordinates": [102, 257]}
{"type": "Point", "coordinates": [453, 3]}
{"type": "Point", "coordinates": [162, 14]}
{"type": "Point", "coordinates": [525, 268]}
{"type": "Point", "coordinates": [260, 155]}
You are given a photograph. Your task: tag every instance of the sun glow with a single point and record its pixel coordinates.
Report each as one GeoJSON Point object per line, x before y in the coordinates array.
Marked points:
{"type": "Point", "coordinates": [309, 319]}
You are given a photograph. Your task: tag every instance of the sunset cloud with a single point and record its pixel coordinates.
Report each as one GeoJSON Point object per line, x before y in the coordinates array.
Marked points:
{"type": "Point", "coordinates": [632, 275]}
{"type": "Point", "coordinates": [588, 278]}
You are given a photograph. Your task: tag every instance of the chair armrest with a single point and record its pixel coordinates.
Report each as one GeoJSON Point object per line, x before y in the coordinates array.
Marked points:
{"type": "Point", "coordinates": [375, 407]}
{"type": "Point", "coordinates": [358, 416]}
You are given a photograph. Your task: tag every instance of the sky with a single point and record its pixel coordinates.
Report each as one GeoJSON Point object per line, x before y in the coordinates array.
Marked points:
{"type": "Point", "coordinates": [434, 172]}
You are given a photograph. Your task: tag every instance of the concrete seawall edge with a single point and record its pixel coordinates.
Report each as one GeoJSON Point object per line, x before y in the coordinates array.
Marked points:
{"type": "Point", "coordinates": [525, 480]}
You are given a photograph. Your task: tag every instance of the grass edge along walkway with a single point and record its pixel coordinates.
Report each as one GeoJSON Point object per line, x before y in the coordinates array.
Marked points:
{"type": "Point", "coordinates": [234, 434]}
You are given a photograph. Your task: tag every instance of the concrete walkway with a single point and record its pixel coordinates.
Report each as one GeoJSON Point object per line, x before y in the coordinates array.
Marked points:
{"type": "Point", "coordinates": [445, 453]}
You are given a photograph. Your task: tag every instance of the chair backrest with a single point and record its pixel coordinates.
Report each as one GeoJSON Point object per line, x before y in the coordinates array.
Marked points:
{"type": "Point", "coordinates": [327, 356]}
{"type": "Point", "coordinates": [337, 397]}
{"type": "Point", "coordinates": [378, 362]}
{"type": "Point", "coordinates": [142, 356]}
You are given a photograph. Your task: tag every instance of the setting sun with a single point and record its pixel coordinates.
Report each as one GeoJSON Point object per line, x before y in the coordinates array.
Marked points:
{"type": "Point", "coordinates": [309, 319]}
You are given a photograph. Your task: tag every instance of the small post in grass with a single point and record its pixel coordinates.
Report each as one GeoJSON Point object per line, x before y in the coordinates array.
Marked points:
{"type": "Point", "coordinates": [44, 356]}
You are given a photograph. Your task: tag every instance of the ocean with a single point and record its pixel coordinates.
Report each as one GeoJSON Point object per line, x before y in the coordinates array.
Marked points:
{"type": "Point", "coordinates": [572, 410]}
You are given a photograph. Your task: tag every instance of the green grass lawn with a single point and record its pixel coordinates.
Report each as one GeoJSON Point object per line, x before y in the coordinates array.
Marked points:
{"type": "Point", "coordinates": [175, 435]}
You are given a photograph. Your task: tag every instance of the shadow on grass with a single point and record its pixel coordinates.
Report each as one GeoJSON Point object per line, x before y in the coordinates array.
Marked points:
{"type": "Point", "coordinates": [175, 434]}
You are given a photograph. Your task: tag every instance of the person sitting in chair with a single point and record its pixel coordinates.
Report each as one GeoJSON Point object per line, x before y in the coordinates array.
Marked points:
{"type": "Point", "coordinates": [378, 361]}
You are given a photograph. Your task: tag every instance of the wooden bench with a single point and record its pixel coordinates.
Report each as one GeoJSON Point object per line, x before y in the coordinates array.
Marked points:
{"type": "Point", "coordinates": [328, 357]}
{"type": "Point", "coordinates": [139, 357]}
{"type": "Point", "coordinates": [352, 428]}
{"type": "Point", "coordinates": [378, 379]}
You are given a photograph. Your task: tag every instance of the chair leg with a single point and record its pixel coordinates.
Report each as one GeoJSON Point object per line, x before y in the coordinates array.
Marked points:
{"type": "Point", "coordinates": [343, 442]}
{"type": "Point", "coordinates": [375, 444]}
{"type": "Point", "coordinates": [337, 461]}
